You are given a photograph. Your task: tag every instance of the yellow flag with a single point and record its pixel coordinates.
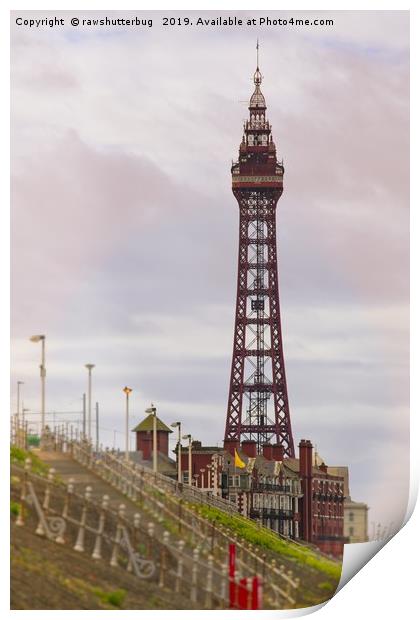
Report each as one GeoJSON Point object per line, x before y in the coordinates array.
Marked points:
{"type": "Point", "coordinates": [238, 461]}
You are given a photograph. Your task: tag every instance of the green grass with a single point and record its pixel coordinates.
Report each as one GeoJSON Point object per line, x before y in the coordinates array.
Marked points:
{"type": "Point", "coordinates": [19, 456]}
{"type": "Point", "coordinates": [325, 585]}
{"type": "Point", "coordinates": [255, 535]}
{"type": "Point", "coordinates": [115, 598]}
{"type": "Point", "coordinates": [14, 508]}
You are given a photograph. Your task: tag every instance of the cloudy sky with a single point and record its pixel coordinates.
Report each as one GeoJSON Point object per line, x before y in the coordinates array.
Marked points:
{"type": "Point", "coordinates": [124, 228]}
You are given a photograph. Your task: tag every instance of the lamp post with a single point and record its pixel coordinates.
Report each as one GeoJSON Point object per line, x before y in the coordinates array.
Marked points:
{"type": "Point", "coordinates": [89, 423]}
{"type": "Point", "coordinates": [178, 426]}
{"type": "Point", "coordinates": [189, 437]}
{"type": "Point", "coordinates": [84, 417]}
{"type": "Point", "coordinates": [43, 373]}
{"type": "Point", "coordinates": [196, 476]}
{"type": "Point", "coordinates": [24, 410]}
{"type": "Point", "coordinates": [19, 383]}
{"type": "Point", "coordinates": [127, 391]}
{"type": "Point", "coordinates": [22, 427]}
{"type": "Point", "coordinates": [97, 427]}
{"type": "Point", "coordinates": [215, 465]}
{"type": "Point", "coordinates": [209, 470]}
{"type": "Point", "coordinates": [152, 410]}
{"type": "Point", "coordinates": [202, 477]}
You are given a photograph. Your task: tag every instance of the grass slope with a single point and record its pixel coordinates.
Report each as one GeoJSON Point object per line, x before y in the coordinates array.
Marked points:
{"type": "Point", "coordinates": [319, 574]}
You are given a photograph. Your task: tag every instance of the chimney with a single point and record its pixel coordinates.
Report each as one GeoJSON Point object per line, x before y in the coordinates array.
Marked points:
{"type": "Point", "coordinates": [249, 448]}
{"type": "Point", "coordinates": [267, 451]}
{"type": "Point", "coordinates": [305, 472]}
{"type": "Point", "coordinates": [230, 445]}
{"type": "Point", "coordinates": [278, 452]}
{"type": "Point", "coordinates": [305, 458]}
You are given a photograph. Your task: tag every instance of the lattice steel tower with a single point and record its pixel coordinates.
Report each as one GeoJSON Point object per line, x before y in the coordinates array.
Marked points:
{"type": "Point", "coordinates": [258, 407]}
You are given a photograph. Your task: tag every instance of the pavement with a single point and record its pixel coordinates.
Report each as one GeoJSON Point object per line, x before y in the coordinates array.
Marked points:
{"type": "Point", "coordinates": [66, 467]}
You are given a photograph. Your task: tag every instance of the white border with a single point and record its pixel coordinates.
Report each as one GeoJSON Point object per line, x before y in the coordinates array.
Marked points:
{"type": "Point", "coordinates": [387, 585]}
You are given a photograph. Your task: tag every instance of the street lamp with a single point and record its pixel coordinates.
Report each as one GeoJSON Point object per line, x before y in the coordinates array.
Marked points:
{"type": "Point", "coordinates": [127, 391]}
{"type": "Point", "coordinates": [196, 476]}
{"type": "Point", "coordinates": [178, 426]}
{"type": "Point", "coordinates": [43, 373]}
{"type": "Point", "coordinates": [24, 410]}
{"type": "Point", "coordinates": [216, 461]}
{"type": "Point", "coordinates": [209, 468]}
{"type": "Point", "coordinates": [89, 367]}
{"type": "Point", "coordinates": [19, 383]}
{"type": "Point", "coordinates": [189, 437]}
{"type": "Point", "coordinates": [202, 477]}
{"type": "Point", "coordinates": [152, 410]}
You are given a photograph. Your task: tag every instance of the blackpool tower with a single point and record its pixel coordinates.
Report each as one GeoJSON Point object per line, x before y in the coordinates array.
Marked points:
{"type": "Point", "coordinates": [258, 407]}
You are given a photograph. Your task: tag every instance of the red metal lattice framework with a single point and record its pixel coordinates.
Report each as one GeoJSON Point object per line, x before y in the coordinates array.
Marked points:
{"type": "Point", "coordinates": [258, 407]}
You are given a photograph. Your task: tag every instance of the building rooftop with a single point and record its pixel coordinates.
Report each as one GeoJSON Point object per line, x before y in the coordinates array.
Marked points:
{"type": "Point", "coordinates": [147, 425]}
{"type": "Point", "coordinates": [350, 503]}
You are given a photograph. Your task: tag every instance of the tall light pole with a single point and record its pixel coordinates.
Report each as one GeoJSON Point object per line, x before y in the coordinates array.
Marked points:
{"type": "Point", "coordinates": [189, 437]}
{"type": "Point", "coordinates": [43, 373]}
{"type": "Point", "coordinates": [97, 427]}
{"type": "Point", "coordinates": [84, 417]}
{"type": "Point", "coordinates": [89, 423]}
{"type": "Point", "coordinates": [19, 383]}
{"type": "Point", "coordinates": [152, 410]}
{"type": "Point", "coordinates": [24, 410]}
{"type": "Point", "coordinates": [24, 426]}
{"type": "Point", "coordinates": [178, 425]}
{"type": "Point", "coordinates": [127, 392]}
{"type": "Point", "coordinates": [216, 462]}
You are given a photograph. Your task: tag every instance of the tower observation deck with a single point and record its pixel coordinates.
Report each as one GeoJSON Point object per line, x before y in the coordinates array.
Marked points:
{"type": "Point", "coordinates": [258, 407]}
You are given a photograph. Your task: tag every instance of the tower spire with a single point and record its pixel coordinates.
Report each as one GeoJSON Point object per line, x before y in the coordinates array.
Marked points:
{"type": "Point", "coordinates": [257, 74]}
{"type": "Point", "coordinates": [258, 406]}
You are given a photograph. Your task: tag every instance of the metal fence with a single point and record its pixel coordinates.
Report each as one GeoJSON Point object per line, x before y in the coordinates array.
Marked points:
{"type": "Point", "coordinates": [190, 552]}
{"type": "Point", "coordinates": [65, 517]}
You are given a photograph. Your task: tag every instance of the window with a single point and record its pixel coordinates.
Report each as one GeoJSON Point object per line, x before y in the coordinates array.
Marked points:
{"type": "Point", "coordinates": [185, 477]}
{"type": "Point", "coordinates": [351, 531]}
{"type": "Point", "coordinates": [351, 516]}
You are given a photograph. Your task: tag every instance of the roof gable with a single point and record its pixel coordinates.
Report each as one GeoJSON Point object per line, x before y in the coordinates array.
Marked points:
{"type": "Point", "coordinates": [147, 425]}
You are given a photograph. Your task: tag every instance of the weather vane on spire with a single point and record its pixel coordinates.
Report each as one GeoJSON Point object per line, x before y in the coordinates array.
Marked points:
{"type": "Point", "coordinates": [257, 74]}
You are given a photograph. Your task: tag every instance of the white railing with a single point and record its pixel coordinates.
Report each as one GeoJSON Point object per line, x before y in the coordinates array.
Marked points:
{"type": "Point", "coordinates": [63, 516]}
{"type": "Point", "coordinates": [151, 490]}
{"type": "Point", "coordinates": [177, 508]}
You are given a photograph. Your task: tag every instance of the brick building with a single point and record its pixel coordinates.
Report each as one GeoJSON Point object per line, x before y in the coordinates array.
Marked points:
{"type": "Point", "coordinates": [296, 497]}
{"type": "Point", "coordinates": [301, 498]}
{"type": "Point", "coordinates": [322, 503]}
{"type": "Point", "coordinates": [144, 437]}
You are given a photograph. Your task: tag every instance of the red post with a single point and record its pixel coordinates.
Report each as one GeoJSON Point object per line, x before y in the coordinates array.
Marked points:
{"type": "Point", "coordinates": [256, 593]}
{"type": "Point", "coordinates": [244, 599]}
